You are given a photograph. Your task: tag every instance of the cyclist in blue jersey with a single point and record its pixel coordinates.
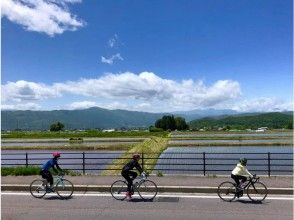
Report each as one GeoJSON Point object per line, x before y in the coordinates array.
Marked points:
{"type": "Point", "coordinates": [130, 175]}
{"type": "Point", "coordinates": [52, 163]}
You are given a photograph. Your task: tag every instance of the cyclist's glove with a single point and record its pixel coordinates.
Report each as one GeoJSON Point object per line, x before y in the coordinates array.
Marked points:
{"type": "Point", "coordinates": [144, 174]}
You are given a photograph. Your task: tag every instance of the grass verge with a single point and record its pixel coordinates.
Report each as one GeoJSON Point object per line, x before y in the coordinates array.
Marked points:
{"type": "Point", "coordinates": [30, 170]}
{"type": "Point", "coordinates": [96, 148]}
{"type": "Point", "coordinates": [151, 149]}
{"type": "Point", "coordinates": [79, 134]}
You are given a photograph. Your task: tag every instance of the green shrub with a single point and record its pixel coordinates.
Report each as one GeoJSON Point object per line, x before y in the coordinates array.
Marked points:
{"type": "Point", "coordinates": [20, 171]}
{"type": "Point", "coordinates": [159, 174]}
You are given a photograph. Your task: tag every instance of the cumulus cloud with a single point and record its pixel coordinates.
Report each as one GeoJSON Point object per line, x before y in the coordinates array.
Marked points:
{"type": "Point", "coordinates": [47, 16]}
{"type": "Point", "coordinates": [111, 59]}
{"type": "Point", "coordinates": [263, 104]}
{"type": "Point", "coordinates": [82, 105]}
{"type": "Point", "coordinates": [21, 106]}
{"type": "Point", "coordinates": [21, 90]}
{"type": "Point", "coordinates": [145, 91]}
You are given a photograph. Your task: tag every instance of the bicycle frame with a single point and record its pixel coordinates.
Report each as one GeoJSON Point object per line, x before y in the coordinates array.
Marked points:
{"type": "Point", "coordinates": [250, 181]}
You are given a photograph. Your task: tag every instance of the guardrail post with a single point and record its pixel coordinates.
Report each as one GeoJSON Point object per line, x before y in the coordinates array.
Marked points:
{"type": "Point", "coordinates": [27, 160]}
{"type": "Point", "coordinates": [204, 164]}
{"type": "Point", "coordinates": [142, 160]}
{"type": "Point", "coordinates": [269, 163]}
{"type": "Point", "coordinates": [83, 162]}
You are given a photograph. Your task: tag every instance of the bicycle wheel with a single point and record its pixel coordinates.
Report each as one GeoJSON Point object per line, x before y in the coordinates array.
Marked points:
{"type": "Point", "coordinates": [64, 189]}
{"type": "Point", "coordinates": [227, 191]}
{"type": "Point", "coordinates": [119, 189]}
{"type": "Point", "coordinates": [38, 188]}
{"type": "Point", "coordinates": [147, 190]}
{"type": "Point", "coordinates": [257, 192]}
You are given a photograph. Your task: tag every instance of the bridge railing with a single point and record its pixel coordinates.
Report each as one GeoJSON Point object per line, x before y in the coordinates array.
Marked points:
{"type": "Point", "coordinates": [199, 163]}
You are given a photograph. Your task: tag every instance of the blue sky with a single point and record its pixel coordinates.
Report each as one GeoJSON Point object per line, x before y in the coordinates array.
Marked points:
{"type": "Point", "coordinates": [147, 55]}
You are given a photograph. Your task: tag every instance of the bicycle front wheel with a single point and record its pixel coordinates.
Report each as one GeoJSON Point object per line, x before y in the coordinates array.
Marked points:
{"type": "Point", "coordinates": [64, 189]}
{"type": "Point", "coordinates": [38, 188]}
{"type": "Point", "coordinates": [119, 189]}
{"type": "Point", "coordinates": [227, 191]}
{"type": "Point", "coordinates": [257, 192]}
{"type": "Point", "coordinates": [147, 190]}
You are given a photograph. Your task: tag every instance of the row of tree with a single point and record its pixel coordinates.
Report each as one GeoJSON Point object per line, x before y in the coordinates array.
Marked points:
{"type": "Point", "coordinates": [169, 122]}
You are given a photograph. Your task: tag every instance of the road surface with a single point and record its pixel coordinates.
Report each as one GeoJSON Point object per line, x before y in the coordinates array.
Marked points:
{"type": "Point", "coordinates": [18, 206]}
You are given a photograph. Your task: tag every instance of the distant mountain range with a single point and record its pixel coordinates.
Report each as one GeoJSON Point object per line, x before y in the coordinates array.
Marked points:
{"type": "Point", "coordinates": [249, 120]}
{"type": "Point", "coordinates": [97, 118]}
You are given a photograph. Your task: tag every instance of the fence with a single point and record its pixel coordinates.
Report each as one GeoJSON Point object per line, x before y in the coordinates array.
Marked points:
{"type": "Point", "coordinates": [198, 163]}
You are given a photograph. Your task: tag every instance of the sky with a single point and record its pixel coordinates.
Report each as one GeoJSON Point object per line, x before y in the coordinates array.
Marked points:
{"type": "Point", "coordinates": [152, 56]}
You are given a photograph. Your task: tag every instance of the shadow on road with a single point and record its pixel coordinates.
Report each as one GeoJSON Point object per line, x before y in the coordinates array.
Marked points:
{"type": "Point", "coordinates": [140, 200]}
{"type": "Point", "coordinates": [56, 198]}
{"type": "Point", "coordinates": [251, 202]}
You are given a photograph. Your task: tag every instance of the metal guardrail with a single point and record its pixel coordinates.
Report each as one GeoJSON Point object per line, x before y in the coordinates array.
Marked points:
{"type": "Point", "coordinates": [201, 159]}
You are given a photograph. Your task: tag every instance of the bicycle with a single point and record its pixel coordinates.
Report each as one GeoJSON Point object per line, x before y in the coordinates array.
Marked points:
{"type": "Point", "coordinates": [146, 189]}
{"type": "Point", "coordinates": [256, 191]}
{"type": "Point", "coordinates": [63, 187]}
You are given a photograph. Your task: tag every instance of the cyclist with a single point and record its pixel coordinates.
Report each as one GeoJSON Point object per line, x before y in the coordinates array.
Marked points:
{"type": "Point", "coordinates": [45, 173]}
{"type": "Point", "coordinates": [130, 175]}
{"type": "Point", "coordinates": [240, 172]}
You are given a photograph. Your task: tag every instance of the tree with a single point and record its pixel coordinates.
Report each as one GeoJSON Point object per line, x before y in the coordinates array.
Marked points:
{"type": "Point", "coordinates": [56, 126]}
{"type": "Point", "coordinates": [168, 122]}
{"type": "Point", "coordinates": [181, 123]}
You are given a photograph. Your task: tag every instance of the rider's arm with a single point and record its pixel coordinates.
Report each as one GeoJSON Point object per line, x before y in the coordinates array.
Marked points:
{"type": "Point", "coordinates": [138, 167]}
{"type": "Point", "coordinates": [247, 172]}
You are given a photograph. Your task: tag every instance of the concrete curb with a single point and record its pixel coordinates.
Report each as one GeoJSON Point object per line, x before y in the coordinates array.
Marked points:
{"type": "Point", "coordinates": [175, 189]}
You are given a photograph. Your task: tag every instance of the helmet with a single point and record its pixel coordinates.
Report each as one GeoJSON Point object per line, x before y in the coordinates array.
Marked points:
{"type": "Point", "coordinates": [136, 156]}
{"type": "Point", "coordinates": [243, 161]}
{"type": "Point", "coordinates": [56, 154]}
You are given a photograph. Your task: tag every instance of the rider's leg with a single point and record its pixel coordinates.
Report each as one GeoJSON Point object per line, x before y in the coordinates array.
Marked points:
{"type": "Point", "coordinates": [125, 174]}
{"type": "Point", "coordinates": [133, 175]}
{"type": "Point", "coordinates": [236, 179]}
{"type": "Point", "coordinates": [50, 179]}
{"type": "Point", "coordinates": [243, 180]}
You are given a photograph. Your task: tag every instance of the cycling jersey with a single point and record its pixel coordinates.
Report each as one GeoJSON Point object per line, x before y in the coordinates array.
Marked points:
{"type": "Point", "coordinates": [241, 170]}
{"type": "Point", "coordinates": [50, 164]}
{"type": "Point", "coordinates": [129, 166]}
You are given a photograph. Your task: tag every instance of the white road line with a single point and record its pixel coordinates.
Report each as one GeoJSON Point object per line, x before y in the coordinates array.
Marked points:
{"type": "Point", "coordinates": [278, 197]}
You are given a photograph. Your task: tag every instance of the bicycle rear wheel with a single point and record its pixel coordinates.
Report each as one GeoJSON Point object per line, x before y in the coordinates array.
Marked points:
{"type": "Point", "coordinates": [257, 192]}
{"type": "Point", "coordinates": [147, 190]}
{"type": "Point", "coordinates": [119, 189]}
{"type": "Point", "coordinates": [38, 188]}
{"type": "Point", "coordinates": [227, 191]}
{"type": "Point", "coordinates": [64, 189]}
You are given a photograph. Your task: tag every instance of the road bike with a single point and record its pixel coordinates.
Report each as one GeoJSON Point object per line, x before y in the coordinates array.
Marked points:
{"type": "Point", "coordinates": [146, 189]}
{"type": "Point", "coordinates": [256, 190]}
{"type": "Point", "coordinates": [63, 187]}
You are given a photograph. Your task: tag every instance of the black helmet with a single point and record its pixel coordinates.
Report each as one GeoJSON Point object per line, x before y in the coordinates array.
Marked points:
{"type": "Point", "coordinates": [136, 156]}
{"type": "Point", "coordinates": [243, 161]}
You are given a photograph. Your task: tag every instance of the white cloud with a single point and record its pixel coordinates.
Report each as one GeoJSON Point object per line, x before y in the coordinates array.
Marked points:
{"type": "Point", "coordinates": [144, 91]}
{"type": "Point", "coordinates": [82, 105]}
{"type": "Point", "coordinates": [21, 106]}
{"type": "Point", "coordinates": [111, 59]}
{"type": "Point", "coordinates": [21, 90]}
{"type": "Point", "coordinates": [113, 41]}
{"type": "Point", "coordinates": [263, 104]}
{"type": "Point", "coordinates": [47, 16]}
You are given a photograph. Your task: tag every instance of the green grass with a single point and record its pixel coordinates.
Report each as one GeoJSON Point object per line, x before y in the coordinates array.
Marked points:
{"type": "Point", "coordinates": [72, 147]}
{"type": "Point", "coordinates": [151, 149]}
{"type": "Point", "coordinates": [214, 144]}
{"type": "Point", "coordinates": [20, 171]}
{"type": "Point", "coordinates": [79, 134]}
{"type": "Point", "coordinates": [30, 170]}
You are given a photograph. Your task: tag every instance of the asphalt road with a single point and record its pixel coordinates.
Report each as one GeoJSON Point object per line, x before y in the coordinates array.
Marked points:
{"type": "Point", "coordinates": [16, 206]}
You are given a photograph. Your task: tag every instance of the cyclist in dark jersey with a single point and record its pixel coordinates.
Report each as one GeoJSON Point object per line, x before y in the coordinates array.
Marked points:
{"type": "Point", "coordinates": [130, 175]}
{"type": "Point", "coordinates": [45, 173]}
